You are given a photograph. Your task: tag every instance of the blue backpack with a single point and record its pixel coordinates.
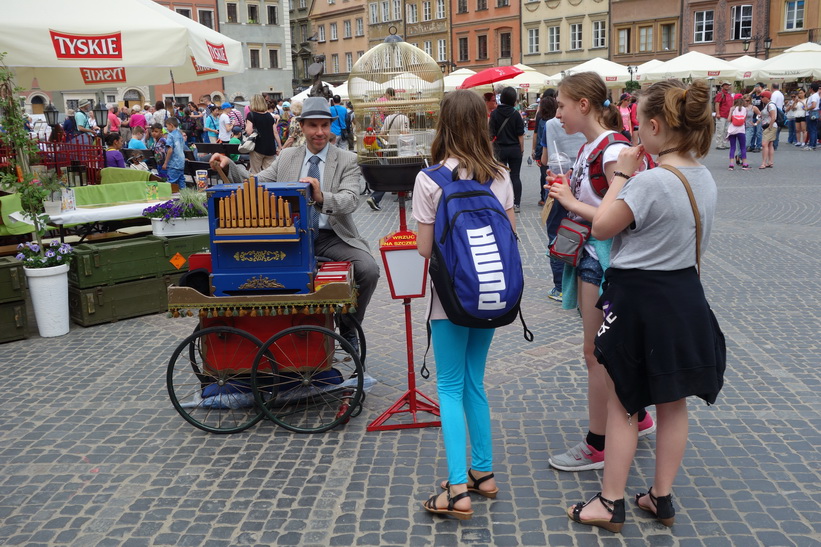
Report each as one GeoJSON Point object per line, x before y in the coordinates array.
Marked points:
{"type": "Point", "coordinates": [475, 264]}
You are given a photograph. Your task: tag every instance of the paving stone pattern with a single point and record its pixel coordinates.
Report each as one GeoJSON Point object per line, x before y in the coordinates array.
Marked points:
{"type": "Point", "coordinates": [93, 454]}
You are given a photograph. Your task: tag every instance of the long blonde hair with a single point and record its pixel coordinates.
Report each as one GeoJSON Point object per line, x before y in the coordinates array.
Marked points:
{"type": "Point", "coordinates": [462, 133]}
{"type": "Point", "coordinates": [258, 104]}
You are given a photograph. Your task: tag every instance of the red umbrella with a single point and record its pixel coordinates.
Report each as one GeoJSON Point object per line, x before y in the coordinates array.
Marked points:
{"type": "Point", "coordinates": [491, 75]}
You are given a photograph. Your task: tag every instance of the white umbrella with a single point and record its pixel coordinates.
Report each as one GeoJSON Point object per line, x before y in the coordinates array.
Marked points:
{"type": "Point", "coordinates": [748, 66]}
{"type": "Point", "coordinates": [646, 67]}
{"type": "Point", "coordinates": [69, 45]}
{"type": "Point", "coordinates": [693, 64]}
{"type": "Point", "coordinates": [455, 78]}
{"type": "Point", "coordinates": [801, 61]}
{"type": "Point", "coordinates": [342, 91]}
{"type": "Point", "coordinates": [529, 80]}
{"type": "Point", "coordinates": [613, 74]}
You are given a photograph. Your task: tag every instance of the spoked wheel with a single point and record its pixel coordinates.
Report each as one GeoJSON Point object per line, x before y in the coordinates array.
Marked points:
{"type": "Point", "coordinates": [209, 380]}
{"type": "Point", "coordinates": [319, 379]}
{"type": "Point", "coordinates": [346, 321]}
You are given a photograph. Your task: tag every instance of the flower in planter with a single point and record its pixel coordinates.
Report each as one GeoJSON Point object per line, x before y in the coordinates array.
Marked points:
{"type": "Point", "coordinates": [56, 253]}
{"type": "Point", "coordinates": [190, 204]}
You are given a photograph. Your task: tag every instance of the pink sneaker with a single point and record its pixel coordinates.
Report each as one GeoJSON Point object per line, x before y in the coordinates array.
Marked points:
{"type": "Point", "coordinates": [646, 426]}
{"type": "Point", "coordinates": [581, 457]}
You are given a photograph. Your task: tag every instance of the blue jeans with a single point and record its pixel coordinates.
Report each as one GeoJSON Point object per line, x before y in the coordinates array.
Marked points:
{"type": "Point", "coordinates": [176, 175]}
{"type": "Point", "coordinates": [460, 354]}
{"type": "Point", "coordinates": [755, 139]}
{"type": "Point", "coordinates": [812, 131]}
{"type": "Point", "coordinates": [791, 138]}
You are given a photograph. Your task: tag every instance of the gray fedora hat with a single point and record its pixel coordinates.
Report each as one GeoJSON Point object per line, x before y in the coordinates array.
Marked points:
{"type": "Point", "coordinates": [316, 108]}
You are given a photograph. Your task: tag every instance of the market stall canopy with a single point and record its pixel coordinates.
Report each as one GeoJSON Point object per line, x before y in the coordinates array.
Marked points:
{"type": "Point", "coordinates": [801, 61]}
{"type": "Point", "coordinates": [529, 80]}
{"type": "Point", "coordinates": [456, 78]}
{"type": "Point", "coordinates": [748, 66]}
{"type": "Point", "coordinates": [693, 64]}
{"type": "Point", "coordinates": [81, 44]}
{"type": "Point", "coordinates": [646, 67]}
{"type": "Point", "coordinates": [613, 74]}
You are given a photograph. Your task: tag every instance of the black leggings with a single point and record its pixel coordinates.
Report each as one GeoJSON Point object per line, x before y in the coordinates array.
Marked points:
{"type": "Point", "coordinates": [511, 156]}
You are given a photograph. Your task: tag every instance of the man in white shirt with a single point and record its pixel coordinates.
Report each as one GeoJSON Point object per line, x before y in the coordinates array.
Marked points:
{"type": "Point", "coordinates": [812, 112]}
{"type": "Point", "coordinates": [778, 100]}
{"type": "Point", "coordinates": [225, 124]}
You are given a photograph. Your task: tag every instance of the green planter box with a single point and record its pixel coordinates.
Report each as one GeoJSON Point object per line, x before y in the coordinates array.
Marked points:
{"type": "Point", "coordinates": [12, 280]}
{"type": "Point", "coordinates": [115, 262]}
{"type": "Point", "coordinates": [13, 321]}
{"type": "Point", "coordinates": [109, 303]}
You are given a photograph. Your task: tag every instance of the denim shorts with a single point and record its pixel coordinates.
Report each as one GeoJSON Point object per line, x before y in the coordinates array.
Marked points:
{"type": "Point", "coordinates": [589, 269]}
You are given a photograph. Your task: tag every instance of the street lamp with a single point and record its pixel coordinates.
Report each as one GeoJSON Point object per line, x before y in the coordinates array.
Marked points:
{"type": "Point", "coordinates": [768, 42]}
{"type": "Point", "coordinates": [51, 114]}
{"type": "Point", "coordinates": [631, 69]}
{"type": "Point", "coordinates": [101, 115]}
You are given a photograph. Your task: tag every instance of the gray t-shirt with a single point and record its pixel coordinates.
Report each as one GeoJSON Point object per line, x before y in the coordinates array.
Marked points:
{"type": "Point", "coordinates": [664, 237]}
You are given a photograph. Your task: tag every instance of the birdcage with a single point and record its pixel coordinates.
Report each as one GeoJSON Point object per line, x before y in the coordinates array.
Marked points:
{"type": "Point", "coordinates": [396, 89]}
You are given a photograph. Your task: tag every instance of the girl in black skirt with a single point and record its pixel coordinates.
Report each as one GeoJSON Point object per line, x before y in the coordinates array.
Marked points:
{"type": "Point", "coordinates": [659, 341]}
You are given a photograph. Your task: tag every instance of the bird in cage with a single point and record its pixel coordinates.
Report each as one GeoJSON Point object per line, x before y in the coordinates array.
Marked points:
{"type": "Point", "coordinates": [371, 141]}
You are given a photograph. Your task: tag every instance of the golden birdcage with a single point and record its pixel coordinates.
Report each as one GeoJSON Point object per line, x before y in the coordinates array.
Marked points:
{"type": "Point", "coordinates": [396, 90]}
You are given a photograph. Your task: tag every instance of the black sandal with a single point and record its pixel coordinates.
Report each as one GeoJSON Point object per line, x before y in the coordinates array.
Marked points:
{"type": "Point", "coordinates": [665, 513]}
{"type": "Point", "coordinates": [615, 508]}
{"type": "Point", "coordinates": [430, 506]}
{"type": "Point", "coordinates": [475, 488]}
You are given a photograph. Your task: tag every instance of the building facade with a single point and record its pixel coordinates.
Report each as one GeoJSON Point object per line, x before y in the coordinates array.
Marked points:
{"type": "Point", "coordinates": [485, 33]}
{"type": "Point", "coordinates": [643, 30]}
{"type": "Point", "coordinates": [557, 35]}
{"type": "Point", "coordinates": [302, 40]}
{"type": "Point", "coordinates": [339, 27]}
{"type": "Point", "coordinates": [427, 26]}
{"type": "Point", "coordinates": [721, 27]}
{"type": "Point", "coordinates": [263, 27]}
{"type": "Point", "coordinates": [794, 22]}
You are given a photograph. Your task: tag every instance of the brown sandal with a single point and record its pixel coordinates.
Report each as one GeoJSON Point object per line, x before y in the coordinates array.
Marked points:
{"type": "Point", "coordinates": [430, 506]}
{"type": "Point", "coordinates": [491, 494]}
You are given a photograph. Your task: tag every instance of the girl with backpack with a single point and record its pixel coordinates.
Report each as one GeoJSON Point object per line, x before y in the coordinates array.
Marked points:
{"type": "Point", "coordinates": [659, 342]}
{"type": "Point", "coordinates": [584, 108]}
{"type": "Point", "coordinates": [461, 144]}
{"type": "Point", "coordinates": [736, 133]}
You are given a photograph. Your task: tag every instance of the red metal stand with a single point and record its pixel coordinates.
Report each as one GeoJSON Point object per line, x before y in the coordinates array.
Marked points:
{"type": "Point", "coordinates": [412, 401]}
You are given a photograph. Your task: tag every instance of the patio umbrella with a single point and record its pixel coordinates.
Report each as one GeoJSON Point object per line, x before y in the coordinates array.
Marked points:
{"type": "Point", "coordinates": [491, 75]}
{"type": "Point", "coordinates": [529, 80]}
{"type": "Point", "coordinates": [69, 45]}
{"type": "Point", "coordinates": [456, 78]}
{"type": "Point", "coordinates": [693, 64]}
{"type": "Point", "coordinates": [645, 67]}
{"type": "Point", "coordinates": [748, 65]}
{"type": "Point", "coordinates": [801, 61]}
{"type": "Point", "coordinates": [613, 74]}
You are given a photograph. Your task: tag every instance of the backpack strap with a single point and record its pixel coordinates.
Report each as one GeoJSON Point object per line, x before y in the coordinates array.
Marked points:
{"type": "Point", "coordinates": [597, 176]}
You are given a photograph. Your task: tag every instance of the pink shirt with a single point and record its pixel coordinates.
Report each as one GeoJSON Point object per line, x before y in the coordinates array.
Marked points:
{"type": "Point", "coordinates": [426, 194]}
{"type": "Point", "coordinates": [113, 122]}
{"type": "Point", "coordinates": [137, 120]}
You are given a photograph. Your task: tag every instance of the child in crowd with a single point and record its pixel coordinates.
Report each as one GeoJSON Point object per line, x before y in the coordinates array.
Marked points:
{"type": "Point", "coordinates": [211, 124]}
{"type": "Point", "coordinates": [583, 107]}
{"type": "Point", "coordinates": [137, 135]}
{"type": "Point", "coordinates": [736, 133]}
{"type": "Point", "coordinates": [113, 156]}
{"type": "Point", "coordinates": [236, 138]}
{"type": "Point", "coordinates": [661, 343]}
{"type": "Point", "coordinates": [157, 143]}
{"type": "Point", "coordinates": [461, 142]}
{"type": "Point", "coordinates": [174, 163]}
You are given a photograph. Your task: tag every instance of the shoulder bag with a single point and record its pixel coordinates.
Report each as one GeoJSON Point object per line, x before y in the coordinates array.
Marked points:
{"type": "Point", "coordinates": [694, 206]}
{"type": "Point", "coordinates": [249, 142]}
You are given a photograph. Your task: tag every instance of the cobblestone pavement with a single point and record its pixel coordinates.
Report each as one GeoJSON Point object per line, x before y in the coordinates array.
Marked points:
{"type": "Point", "coordinates": [92, 452]}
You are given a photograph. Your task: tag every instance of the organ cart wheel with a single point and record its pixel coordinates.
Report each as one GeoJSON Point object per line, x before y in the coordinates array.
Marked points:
{"type": "Point", "coordinates": [347, 320]}
{"type": "Point", "coordinates": [208, 380]}
{"type": "Point", "coordinates": [319, 379]}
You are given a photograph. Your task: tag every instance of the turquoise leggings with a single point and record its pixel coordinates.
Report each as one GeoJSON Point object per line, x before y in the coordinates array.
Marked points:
{"type": "Point", "coordinates": [460, 354]}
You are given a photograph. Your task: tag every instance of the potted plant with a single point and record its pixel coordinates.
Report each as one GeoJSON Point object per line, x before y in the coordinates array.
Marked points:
{"type": "Point", "coordinates": [46, 267]}
{"type": "Point", "coordinates": [185, 215]}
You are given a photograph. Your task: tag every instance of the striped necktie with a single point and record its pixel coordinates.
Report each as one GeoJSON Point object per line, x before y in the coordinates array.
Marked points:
{"type": "Point", "coordinates": [313, 170]}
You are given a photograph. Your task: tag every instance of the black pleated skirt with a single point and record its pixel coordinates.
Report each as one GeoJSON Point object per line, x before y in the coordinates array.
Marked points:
{"type": "Point", "coordinates": [659, 341]}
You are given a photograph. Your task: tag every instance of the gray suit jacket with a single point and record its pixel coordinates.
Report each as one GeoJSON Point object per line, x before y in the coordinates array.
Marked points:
{"type": "Point", "coordinates": [340, 182]}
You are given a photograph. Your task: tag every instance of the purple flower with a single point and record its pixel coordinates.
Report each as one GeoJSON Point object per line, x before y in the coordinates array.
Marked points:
{"type": "Point", "coordinates": [20, 256]}
{"type": "Point", "coordinates": [20, 246]}
{"type": "Point", "coordinates": [34, 247]}
{"type": "Point", "coordinates": [50, 254]}
{"type": "Point", "coordinates": [59, 258]}
{"type": "Point", "coordinates": [55, 243]}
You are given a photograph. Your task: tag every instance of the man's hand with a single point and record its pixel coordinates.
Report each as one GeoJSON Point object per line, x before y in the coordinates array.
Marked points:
{"type": "Point", "coordinates": [219, 160]}
{"type": "Point", "coordinates": [316, 190]}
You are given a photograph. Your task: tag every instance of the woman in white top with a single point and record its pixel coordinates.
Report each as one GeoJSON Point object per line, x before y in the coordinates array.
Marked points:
{"type": "Point", "coordinates": [462, 143]}
{"type": "Point", "coordinates": [584, 108]}
{"type": "Point", "coordinates": [799, 109]}
{"type": "Point", "coordinates": [659, 341]}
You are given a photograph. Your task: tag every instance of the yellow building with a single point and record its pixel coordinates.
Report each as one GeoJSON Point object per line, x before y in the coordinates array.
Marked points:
{"type": "Point", "coordinates": [339, 35]}
{"type": "Point", "coordinates": [557, 35]}
{"type": "Point", "coordinates": [427, 26]}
